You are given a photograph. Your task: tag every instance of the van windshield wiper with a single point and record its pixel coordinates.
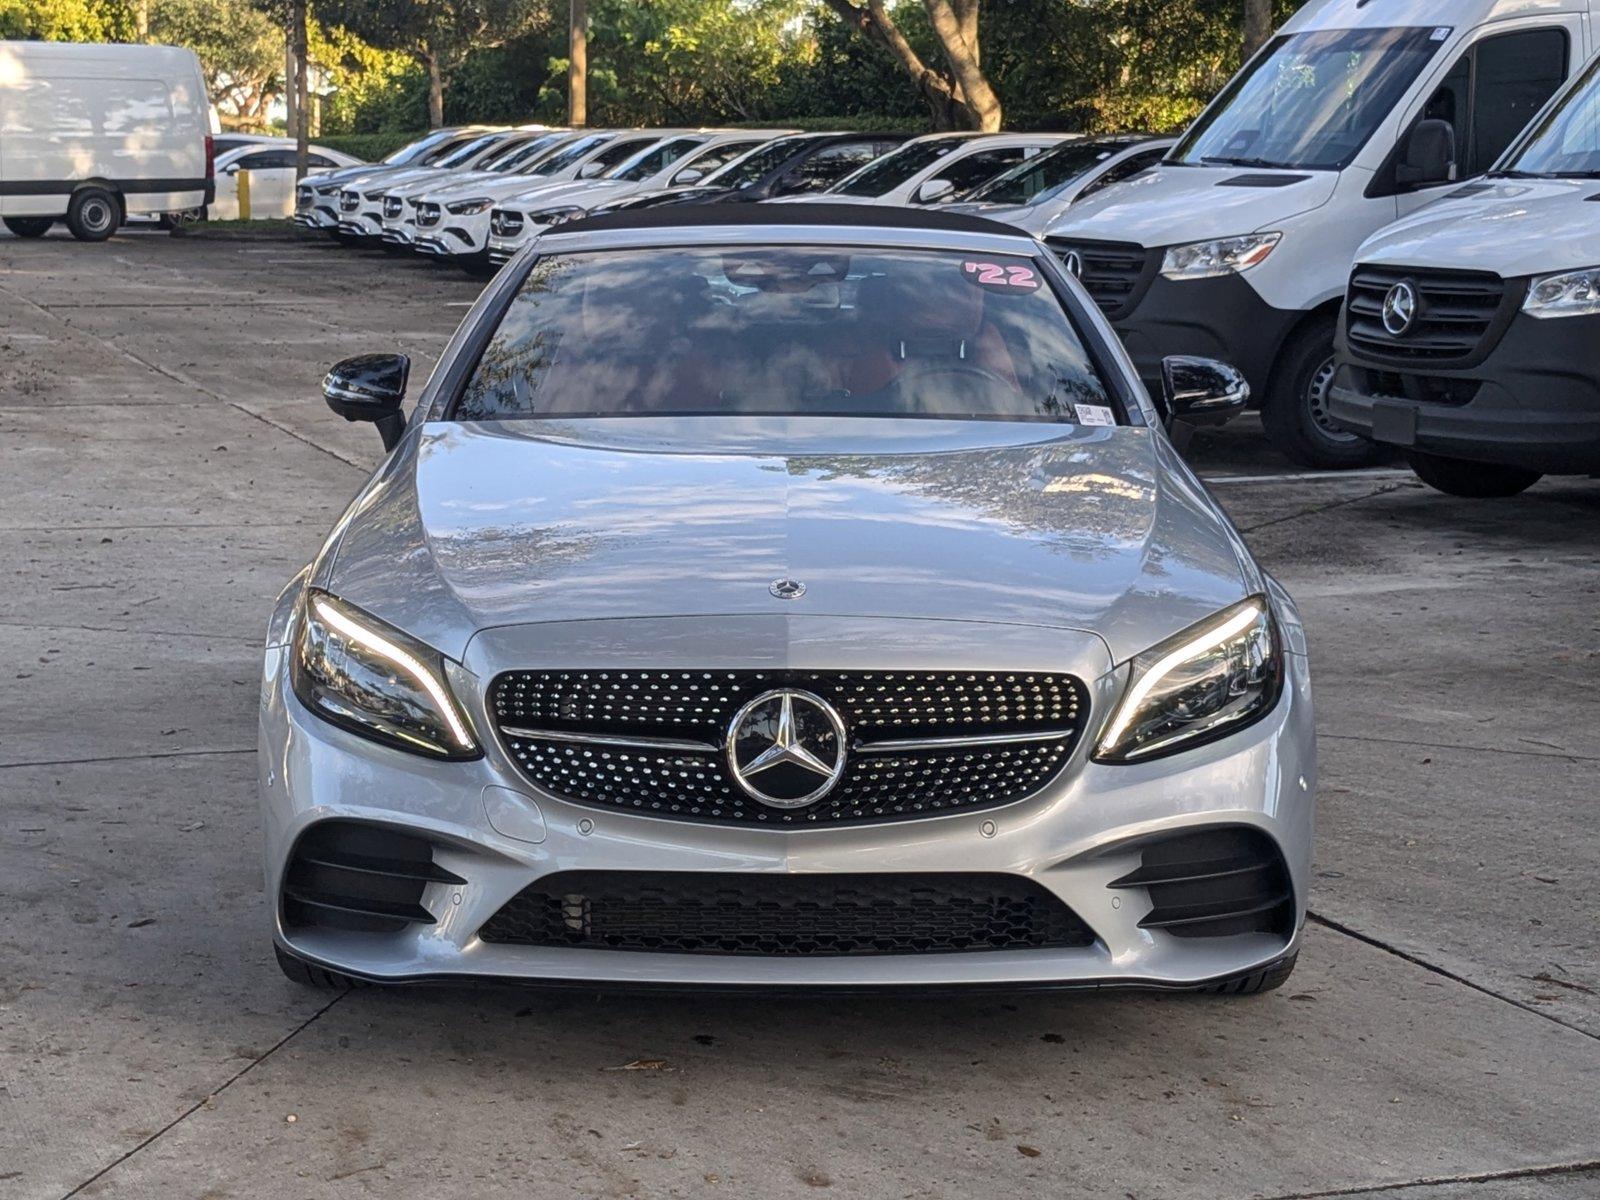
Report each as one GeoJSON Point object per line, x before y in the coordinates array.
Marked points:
{"type": "Point", "coordinates": [1211, 160]}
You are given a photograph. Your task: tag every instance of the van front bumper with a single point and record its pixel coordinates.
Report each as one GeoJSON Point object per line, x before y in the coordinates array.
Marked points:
{"type": "Point", "coordinates": [1533, 403]}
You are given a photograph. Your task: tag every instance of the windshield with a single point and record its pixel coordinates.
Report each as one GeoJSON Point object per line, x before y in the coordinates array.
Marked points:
{"type": "Point", "coordinates": [1567, 140]}
{"type": "Point", "coordinates": [1045, 172]}
{"type": "Point", "coordinates": [524, 154]}
{"type": "Point", "coordinates": [893, 169]}
{"type": "Point", "coordinates": [786, 332]}
{"type": "Point", "coordinates": [564, 158]}
{"type": "Point", "coordinates": [414, 150]}
{"type": "Point", "coordinates": [1311, 100]}
{"type": "Point", "coordinates": [658, 158]}
{"type": "Point", "coordinates": [747, 170]}
{"type": "Point", "coordinates": [473, 148]}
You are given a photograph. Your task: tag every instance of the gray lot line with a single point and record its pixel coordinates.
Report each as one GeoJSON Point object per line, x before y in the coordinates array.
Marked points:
{"type": "Point", "coordinates": [110, 758]}
{"type": "Point", "coordinates": [179, 377]}
{"type": "Point", "coordinates": [1568, 755]}
{"type": "Point", "coordinates": [126, 528]}
{"type": "Point", "coordinates": [171, 633]}
{"type": "Point", "coordinates": [1377, 944]}
{"type": "Point", "coordinates": [206, 1099]}
{"type": "Point", "coordinates": [1322, 508]}
{"type": "Point", "coordinates": [1382, 1189]}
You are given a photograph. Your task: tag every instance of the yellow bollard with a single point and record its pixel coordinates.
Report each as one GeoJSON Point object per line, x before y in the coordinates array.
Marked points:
{"type": "Point", "coordinates": [242, 181]}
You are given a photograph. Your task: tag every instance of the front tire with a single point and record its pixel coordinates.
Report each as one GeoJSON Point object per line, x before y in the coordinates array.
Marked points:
{"type": "Point", "coordinates": [29, 227]}
{"type": "Point", "coordinates": [1475, 481]}
{"type": "Point", "coordinates": [1295, 412]}
{"type": "Point", "coordinates": [94, 214]}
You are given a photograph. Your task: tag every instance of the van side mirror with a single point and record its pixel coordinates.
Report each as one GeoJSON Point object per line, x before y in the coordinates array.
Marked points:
{"type": "Point", "coordinates": [934, 189]}
{"type": "Point", "coordinates": [1198, 392]}
{"type": "Point", "coordinates": [370, 387]}
{"type": "Point", "coordinates": [1430, 155]}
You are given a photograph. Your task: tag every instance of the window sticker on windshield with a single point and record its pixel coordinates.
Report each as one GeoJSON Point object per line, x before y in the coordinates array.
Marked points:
{"type": "Point", "coordinates": [1001, 278]}
{"type": "Point", "coordinates": [1440, 33]}
{"type": "Point", "coordinates": [1095, 414]}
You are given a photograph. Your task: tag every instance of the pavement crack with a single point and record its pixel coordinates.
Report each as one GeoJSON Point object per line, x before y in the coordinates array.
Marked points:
{"type": "Point", "coordinates": [1322, 508]}
{"type": "Point", "coordinates": [110, 758]}
{"type": "Point", "coordinates": [1379, 1189]}
{"type": "Point", "coordinates": [207, 1098]}
{"type": "Point", "coordinates": [1445, 973]}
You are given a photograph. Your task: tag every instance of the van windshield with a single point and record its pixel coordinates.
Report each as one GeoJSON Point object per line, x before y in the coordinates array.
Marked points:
{"type": "Point", "coordinates": [836, 331]}
{"type": "Point", "coordinates": [1311, 100]}
{"type": "Point", "coordinates": [1566, 142]}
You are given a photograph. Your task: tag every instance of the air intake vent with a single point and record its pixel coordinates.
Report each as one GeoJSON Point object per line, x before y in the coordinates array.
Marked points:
{"type": "Point", "coordinates": [687, 912]}
{"type": "Point", "coordinates": [1215, 883]}
{"type": "Point", "coordinates": [349, 876]}
{"type": "Point", "coordinates": [1262, 181]}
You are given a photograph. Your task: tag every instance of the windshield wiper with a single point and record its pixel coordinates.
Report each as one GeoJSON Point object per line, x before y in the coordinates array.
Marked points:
{"type": "Point", "coordinates": [1212, 160]}
{"type": "Point", "coordinates": [1514, 175]}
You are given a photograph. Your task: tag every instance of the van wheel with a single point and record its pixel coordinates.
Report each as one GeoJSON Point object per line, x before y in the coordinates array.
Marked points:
{"type": "Point", "coordinates": [1295, 412]}
{"type": "Point", "coordinates": [94, 214]}
{"type": "Point", "coordinates": [29, 227]}
{"type": "Point", "coordinates": [1474, 480]}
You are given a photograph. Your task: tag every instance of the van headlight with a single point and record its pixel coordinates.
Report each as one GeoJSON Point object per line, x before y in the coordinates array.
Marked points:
{"type": "Point", "coordinates": [466, 208]}
{"type": "Point", "coordinates": [1222, 256]}
{"type": "Point", "coordinates": [1570, 294]}
{"type": "Point", "coordinates": [1200, 685]}
{"type": "Point", "coordinates": [356, 671]}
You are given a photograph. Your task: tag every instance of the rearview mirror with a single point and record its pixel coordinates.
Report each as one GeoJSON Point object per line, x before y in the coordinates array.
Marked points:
{"type": "Point", "coordinates": [1198, 392]}
{"type": "Point", "coordinates": [934, 189]}
{"type": "Point", "coordinates": [370, 387]}
{"type": "Point", "coordinates": [1430, 155]}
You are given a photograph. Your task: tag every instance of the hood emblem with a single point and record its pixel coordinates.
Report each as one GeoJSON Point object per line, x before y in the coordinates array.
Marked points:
{"type": "Point", "coordinates": [1073, 262]}
{"type": "Point", "coordinates": [1400, 308]}
{"type": "Point", "coordinates": [786, 748]}
{"type": "Point", "coordinates": [787, 589]}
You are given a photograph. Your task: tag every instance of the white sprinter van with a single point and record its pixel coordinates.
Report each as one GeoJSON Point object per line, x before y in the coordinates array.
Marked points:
{"type": "Point", "coordinates": [94, 133]}
{"type": "Point", "coordinates": [1238, 244]}
{"type": "Point", "coordinates": [1471, 336]}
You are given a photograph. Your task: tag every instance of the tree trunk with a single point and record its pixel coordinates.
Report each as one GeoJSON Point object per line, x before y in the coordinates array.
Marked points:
{"type": "Point", "coordinates": [965, 99]}
{"type": "Point", "coordinates": [955, 22]}
{"type": "Point", "coordinates": [291, 88]}
{"type": "Point", "coordinates": [578, 65]}
{"type": "Point", "coordinates": [430, 62]}
{"type": "Point", "coordinates": [298, 42]}
{"type": "Point", "coordinates": [1257, 25]}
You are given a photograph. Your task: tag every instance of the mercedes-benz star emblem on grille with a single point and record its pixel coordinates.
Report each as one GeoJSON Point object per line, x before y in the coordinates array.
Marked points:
{"type": "Point", "coordinates": [1400, 308]}
{"type": "Point", "coordinates": [787, 589]}
{"type": "Point", "coordinates": [1073, 262]}
{"type": "Point", "coordinates": [787, 748]}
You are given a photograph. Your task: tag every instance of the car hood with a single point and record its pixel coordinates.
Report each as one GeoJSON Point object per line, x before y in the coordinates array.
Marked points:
{"type": "Point", "coordinates": [1032, 218]}
{"type": "Point", "coordinates": [492, 184]}
{"type": "Point", "coordinates": [1512, 227]}
{"type": "Point", "coordinates": [536, 195]}
{"type": "Point", "coordinates": [475, 526]}
{"type": "Point", "coordinates": [1168, 205]}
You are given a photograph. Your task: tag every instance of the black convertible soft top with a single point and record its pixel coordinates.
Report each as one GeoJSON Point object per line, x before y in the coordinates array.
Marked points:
{"type": "Point", "coordinates": [855, 216]}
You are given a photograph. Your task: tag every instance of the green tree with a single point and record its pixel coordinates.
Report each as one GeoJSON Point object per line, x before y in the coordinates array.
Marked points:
{"type": "Point", "coordinates": [67, 20]}
{"type": "Point", "coordinates": [241, 51]}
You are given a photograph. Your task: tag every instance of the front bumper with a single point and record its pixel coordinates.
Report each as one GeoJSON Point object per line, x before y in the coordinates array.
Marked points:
{"type": "Point", "coordinates": [1223, 318]}
{"type": "Point", "coordinates": [363, 223]}
{"type": "Point", "coordinates": [1533, 402]}
{"type": "Point", "coordinates": [498, 833]}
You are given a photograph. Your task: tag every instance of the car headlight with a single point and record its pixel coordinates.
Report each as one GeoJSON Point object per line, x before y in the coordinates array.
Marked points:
{"type": "Point", "coordinates": [1223, 256]}
{"type": "Point", "coordinates": [1202, 684]}
{"type": "Point", "coordinates": [465, 208]}
{"type": "Point", "coordinates": [1571, 294]}
{"type": "Point", "coordinates": [355, 671]}
{"type": "Point", "coordinates": [556, 216]}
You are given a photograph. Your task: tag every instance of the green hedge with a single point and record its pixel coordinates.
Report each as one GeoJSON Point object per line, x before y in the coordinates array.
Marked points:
{"type": "Point", "coordinates": [369, 146]}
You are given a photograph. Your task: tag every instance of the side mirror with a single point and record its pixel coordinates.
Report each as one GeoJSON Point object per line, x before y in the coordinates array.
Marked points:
{"type": "Point", "coordinates": [591, 170]}
{"type": "Point", "coordinates": [1430, 155]}
{"type": "Point", "coordinates": [232, 169]}
{"type": "Point", "coordinates": [934, 189]}
{"type": "Point", "coordinates": [370, 387]}
{"type": "Point", "coordinates": [688, 175]}
{"type": "Point", "coordinates": [1197, 392]}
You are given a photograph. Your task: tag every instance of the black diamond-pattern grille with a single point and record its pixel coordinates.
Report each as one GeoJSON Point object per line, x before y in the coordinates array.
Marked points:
{"type": "Point", "coordinates": [682, 912]}
{"type": "Point", "coordinates": [877, 706]}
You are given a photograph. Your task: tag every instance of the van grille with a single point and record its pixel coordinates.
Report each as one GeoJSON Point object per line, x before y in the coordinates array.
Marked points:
{"type": "Point", "coordinates": [1460, 315]}
{"type": "Point", "coordinates": [1115, 274]}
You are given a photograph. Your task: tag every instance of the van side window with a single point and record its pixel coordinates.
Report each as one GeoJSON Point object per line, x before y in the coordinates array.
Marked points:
{"type": "Point", "coordinates": [1495, 89]}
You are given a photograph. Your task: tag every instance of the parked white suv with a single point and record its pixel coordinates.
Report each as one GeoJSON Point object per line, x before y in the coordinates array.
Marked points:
{"type": "Point", "coordinates": [1035, 193]}
{"type": "Point", "coordinates": [934, 169]}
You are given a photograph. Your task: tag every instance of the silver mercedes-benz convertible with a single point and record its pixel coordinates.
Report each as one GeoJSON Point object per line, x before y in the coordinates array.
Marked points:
{"type": "Point", "coordinates": [765, 597]}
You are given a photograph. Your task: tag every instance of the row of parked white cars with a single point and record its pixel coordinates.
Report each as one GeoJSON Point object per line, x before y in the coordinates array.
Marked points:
{"type": "Point", "coordinates": [1389, 226]}
{"type": "Point", "coordinates": [478, 195]}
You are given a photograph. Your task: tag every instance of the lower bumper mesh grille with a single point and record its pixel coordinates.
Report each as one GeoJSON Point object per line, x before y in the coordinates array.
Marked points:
{"type": "Point", "coordinates": [687, 912]}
